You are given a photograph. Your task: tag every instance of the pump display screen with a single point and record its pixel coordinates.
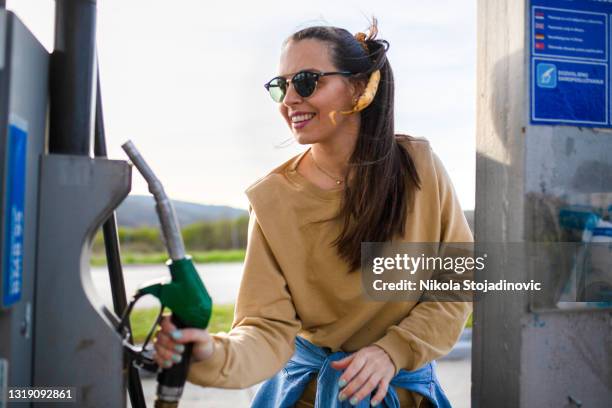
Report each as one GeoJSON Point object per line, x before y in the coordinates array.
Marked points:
{"type": "Point", "coordinates": [570, 56]}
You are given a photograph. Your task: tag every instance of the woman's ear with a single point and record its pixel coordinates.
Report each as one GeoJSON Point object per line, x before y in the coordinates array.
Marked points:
{"type": "Point", "coordinates": [357, 88]}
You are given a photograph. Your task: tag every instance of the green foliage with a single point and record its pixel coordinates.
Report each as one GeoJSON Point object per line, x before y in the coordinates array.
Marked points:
{"type": "Point", "coordinates": [141, 321]}
{"type": "Point", "coordinates": [229, 255]}
{"type": "Point", "coordinates": [202, 236]}
{"type": "Point", "coordinates": [138, 258]}
{"type": "Point", "coordinates": [222, 234]}
{"type": "Point", "coordinates": [221, 319]}
{"type": "Point", "coordinates": [469, 322]}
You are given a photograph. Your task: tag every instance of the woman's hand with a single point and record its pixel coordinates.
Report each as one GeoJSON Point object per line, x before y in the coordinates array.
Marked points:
{"type": "Point", "coordinates": [169, 344]}
{"type": "Point", "coordinates": [369, 368]}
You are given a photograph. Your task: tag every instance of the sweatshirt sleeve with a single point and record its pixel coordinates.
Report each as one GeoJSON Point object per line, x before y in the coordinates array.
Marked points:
{"type": "Point", "coordinates": [265, 324]}
{"type": "Point", "coordinates": [431, 329]}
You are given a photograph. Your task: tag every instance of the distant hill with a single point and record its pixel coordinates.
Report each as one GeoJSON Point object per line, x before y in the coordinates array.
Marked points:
{"type": "Point", "coordinates": [139, 211]}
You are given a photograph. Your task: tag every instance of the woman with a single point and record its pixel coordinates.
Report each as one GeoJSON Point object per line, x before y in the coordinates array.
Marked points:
{"type": "Point", "coordinates": [301, 293]}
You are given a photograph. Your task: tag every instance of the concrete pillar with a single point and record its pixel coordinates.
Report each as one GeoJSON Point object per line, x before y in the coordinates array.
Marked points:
{"type": "Point", "coordinates": [527, 355]}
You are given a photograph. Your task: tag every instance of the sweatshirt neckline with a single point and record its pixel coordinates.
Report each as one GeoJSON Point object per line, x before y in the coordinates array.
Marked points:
{"type": "Point", "coordinates": [296, 177]}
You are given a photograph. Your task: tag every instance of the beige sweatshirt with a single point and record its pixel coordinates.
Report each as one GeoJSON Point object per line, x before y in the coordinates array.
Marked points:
{"type": "Point", "coordinates": [294, 283]}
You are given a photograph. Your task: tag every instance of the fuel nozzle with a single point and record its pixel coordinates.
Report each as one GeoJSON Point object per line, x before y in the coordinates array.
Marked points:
{"type": "Point", "coordinates": [185, 294]}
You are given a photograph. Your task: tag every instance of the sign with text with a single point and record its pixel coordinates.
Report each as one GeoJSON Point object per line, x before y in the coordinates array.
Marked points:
{"type": "Point", "coordinates": [570, 55]}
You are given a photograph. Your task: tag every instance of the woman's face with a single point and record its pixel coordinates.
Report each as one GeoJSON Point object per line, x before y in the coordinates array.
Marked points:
{"type": "Point", "coordinates": [333, 93]}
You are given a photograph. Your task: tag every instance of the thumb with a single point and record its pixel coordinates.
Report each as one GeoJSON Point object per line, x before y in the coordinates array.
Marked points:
{"type": "Point", "coordinates": [343, 363]}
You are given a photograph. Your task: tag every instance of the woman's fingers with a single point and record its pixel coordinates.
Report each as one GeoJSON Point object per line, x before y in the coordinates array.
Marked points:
{"type": "Point", "coordinates": [354, 366]}
{"type": "Point", "coordinates": [383, 386]}
{"type": "Point", "coordinates": [170, 343]}
{"type": "Point", "coordinates": [353, 377]}
{"type": "Point", "coordinates": [190, 335]}
{"type": "Point", "coordinates": [366, 388]}
{"type": "Point", "coordinates": [162, 339]}
{"type": "Point", "coordinates": [201, 339]}
{"type": "Point", "coordinates": [359, 383]}
{"type": "Point", "coordinates": [167, 352]}
{"type": "Point", "coordinates": [168, 347]}
{"type": "Point", "coordinates": [342, 364]}
{"type": "Point", "coordinates": [167, 325]}
{"type": "Point", "coordinates": [370, 369]}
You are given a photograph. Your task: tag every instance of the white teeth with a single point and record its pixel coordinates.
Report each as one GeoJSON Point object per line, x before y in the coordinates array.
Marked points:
{"type": "Point", "coordinates": [301, 118]}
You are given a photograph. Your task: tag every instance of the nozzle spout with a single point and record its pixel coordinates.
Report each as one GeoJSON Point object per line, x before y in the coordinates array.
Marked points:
{"type": "Point", "coordinates": [170, 228]}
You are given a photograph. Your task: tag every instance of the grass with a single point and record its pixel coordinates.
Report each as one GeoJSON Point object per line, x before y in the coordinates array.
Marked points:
{"type": "Point", "coordinates": [142, 320]}
{"type": "Point", "coordinates": [221, 320]}
{"type": "Point", "coordinates": [134, 258]}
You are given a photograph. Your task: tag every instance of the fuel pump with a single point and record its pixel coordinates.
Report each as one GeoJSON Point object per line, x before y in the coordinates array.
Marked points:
{"type": "Point", "coordinates": [54, 197]}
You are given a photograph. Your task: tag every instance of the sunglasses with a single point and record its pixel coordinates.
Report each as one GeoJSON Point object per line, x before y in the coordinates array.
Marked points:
{"type": "Point", "coordinates": [304, 83]}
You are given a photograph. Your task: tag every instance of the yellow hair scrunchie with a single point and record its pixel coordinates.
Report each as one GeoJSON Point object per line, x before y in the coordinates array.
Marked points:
{"type": "Point", "coordinates": [364, 100]}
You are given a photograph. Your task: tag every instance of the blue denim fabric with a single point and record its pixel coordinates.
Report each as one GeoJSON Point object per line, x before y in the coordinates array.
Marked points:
{"type": "Point", "coordinates": [287, 386]}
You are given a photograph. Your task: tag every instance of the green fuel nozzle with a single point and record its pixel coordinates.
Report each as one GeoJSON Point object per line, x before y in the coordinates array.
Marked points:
{"type": "Point", "coordinates": [185, 294]}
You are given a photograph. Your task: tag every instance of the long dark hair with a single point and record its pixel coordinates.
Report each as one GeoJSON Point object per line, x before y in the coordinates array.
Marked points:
{"type": "Point", "coordinates": [383, 178]}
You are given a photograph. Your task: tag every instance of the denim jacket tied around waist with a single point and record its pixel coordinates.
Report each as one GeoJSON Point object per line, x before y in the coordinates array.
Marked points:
{"type": "Point", "coordinates": [287, 386]}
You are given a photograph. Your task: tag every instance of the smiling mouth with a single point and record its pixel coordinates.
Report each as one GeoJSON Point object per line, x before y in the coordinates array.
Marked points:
{"type": "Point", "coordinates": [299, 121]}
{"type": "Point", "coordinates": [302, 117]}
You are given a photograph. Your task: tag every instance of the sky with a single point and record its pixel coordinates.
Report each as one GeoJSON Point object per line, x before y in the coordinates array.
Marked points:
{"type": "Point", "coordinates": [184, 81]}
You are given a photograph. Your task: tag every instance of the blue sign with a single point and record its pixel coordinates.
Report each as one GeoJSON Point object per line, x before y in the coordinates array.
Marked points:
{"type": "Point", "coordinates": [570, 56]}
{"type": "Point", "coordinates": [14, 215]}
{"type": "Point", "coordinates": [576, 89]}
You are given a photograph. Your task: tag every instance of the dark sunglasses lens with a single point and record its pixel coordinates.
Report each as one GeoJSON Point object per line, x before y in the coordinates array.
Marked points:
{"type": "Point", "coordinates": [277, 88]}
{"type": "Point", "coordinates": [305, 83]}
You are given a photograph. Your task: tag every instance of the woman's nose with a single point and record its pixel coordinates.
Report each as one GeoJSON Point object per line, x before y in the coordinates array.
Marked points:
{"type": "Point", "coordinates": [291, 97]}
